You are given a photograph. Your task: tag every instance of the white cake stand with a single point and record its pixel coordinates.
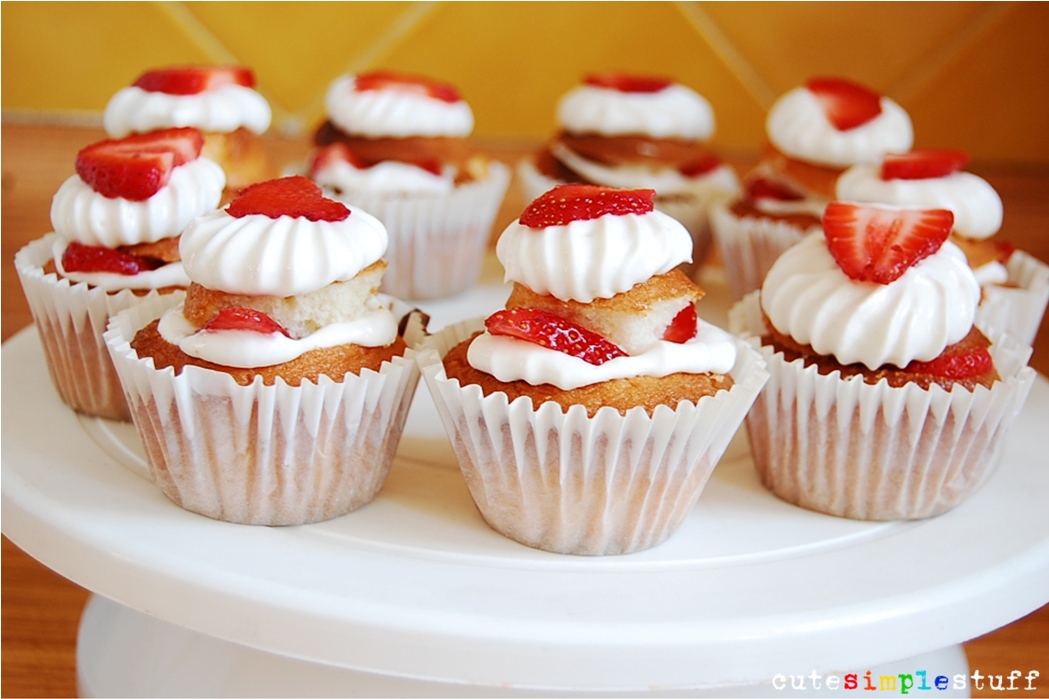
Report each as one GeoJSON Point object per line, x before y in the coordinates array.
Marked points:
{"type": "Point", "coordinates": [414, 594]}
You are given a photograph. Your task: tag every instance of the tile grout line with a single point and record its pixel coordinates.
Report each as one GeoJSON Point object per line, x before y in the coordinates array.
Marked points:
{"type": "Point", "coordinates": [730, 56]}
{"type": "Point", "coordinates": [928, 67]}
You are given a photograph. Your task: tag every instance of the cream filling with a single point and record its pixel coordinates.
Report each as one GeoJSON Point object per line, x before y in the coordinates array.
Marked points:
{"type": "Point", "coordinates": [171, 274]}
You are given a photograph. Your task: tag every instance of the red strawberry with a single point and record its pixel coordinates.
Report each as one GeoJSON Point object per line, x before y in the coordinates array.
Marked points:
{"type": "Point", "coordinates": [332, 153]}
{"type": "Point", "coordinates": [553, 332]}
{"type": "Point", "coordinates": [190, 80]}
{"type": "Point", "coordinates": [582, 202]}
{"type": "Point", "coordinates": [1005, 250]}
{"type": "Point", "coordinates": [138, 166]}
{"type": "Point", "coordinates": [700, 166]}
{"type": "Point", "coordinates": [877, 244]}
{"type": "Point", "coordinates": [627, 83]}
{"type": "Point", "coordinates": [387, 80]}
{"type": "Point", "coordinates": [762, 188]}
{"type": "Point", "coordinates": [922, 164]}
{"type": "Point", "coordinates": [91, 258]}
{"type": "Point", "coordinates": [846, 104]}
{"type": "Point", "coordinates": [956, 364]}
{"type": "Point", "coordinates": [683, 327]}
{"type": "Point", "coordinates": [240, 318]}
{"type": "Point", "coordinates": [295, 196]}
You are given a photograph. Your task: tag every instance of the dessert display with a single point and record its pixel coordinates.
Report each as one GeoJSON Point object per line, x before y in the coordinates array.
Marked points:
{"type": "Point", "coordinates": [884, 402]}
{"type": "Point", "coordinates": [1015, 285]}
{"type": "Point", "coordinates": [631, 131]}
{"type": "Point", "coordinates": [396, 145]}
{"type": "Point", "coordinates": [115, 242]}
{"type": "Point", "coordinates": [276, 391]}
{"type": "Point", "coordinates": [814, 132]}
{"type": "Point", "coordinates": [588, 414]}
{"type": "Point", "coordinates": [220, 101]}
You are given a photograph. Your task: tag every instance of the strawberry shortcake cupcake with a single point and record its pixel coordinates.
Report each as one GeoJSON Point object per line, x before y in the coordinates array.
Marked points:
{"type": "Point", "coordinates": [814, 133]}
{"type": "Point", "coordinates": [884, 401]}
{"type": "Point", "coordinates": [219, 100]}
{"type": "Point", "coordinates": [1015, 285]}
{"type": "Point", "coordinates": [632, 131]}
{"type": "Point", "coordinates": [276, 393]}
{"type": "Point", "coordinates": [396, 145]}
{"type": "Point", "coordinates": [115, 242]}
{"type": "Point", "coordinates": [589, 413]}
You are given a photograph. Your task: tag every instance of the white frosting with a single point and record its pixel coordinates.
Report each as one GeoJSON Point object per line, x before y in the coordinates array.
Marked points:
{"type": "Point", "coordinates": [931, 306]}
{"type": "Point", "coordinates": [261, 256]}
{"type": "Point", "coordinates": [798, 127]}
{"type": "Point", "coordinates": [394, 112]}
{"type": "Point", "coordinates": [595, 258]}
{"type": "Point", "coordinates": [976, 206]}
{"type": "Point", "coordinates": [224, 109]}
{"type": "Point", "coordinates": [171, 274]}
{"type": "Point", "coordinates": [712, 350]}
{"type": "Point", "coordinates": [665, 180]}
{"type": "Point", "coordinates": [80, 213]}
{"type": "Point", "coordinates": [674, 112]}
{"type": "Point", "coordinates": [387, 176]}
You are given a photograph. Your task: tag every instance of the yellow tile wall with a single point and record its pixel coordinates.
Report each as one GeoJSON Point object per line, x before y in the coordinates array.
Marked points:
{"type": "Point", "coordinates": [973, 75]}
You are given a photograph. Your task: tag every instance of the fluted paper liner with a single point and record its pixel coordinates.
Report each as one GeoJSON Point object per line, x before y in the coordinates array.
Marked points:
{"type": "Point", "coordinates": [749, 245]}
{"type": "Point", "coordinates": [1018, 308]}
{"type": "Point", "coordinates": [437, 241]}
{"type": "Point", "coordinates": [260, 454]}
{"type": "Point", "coordinates": [569, 483]}
{"type": "Point", "coordinates": [71, 318]}
{"type": "Point", "coordinates": [874, 452]}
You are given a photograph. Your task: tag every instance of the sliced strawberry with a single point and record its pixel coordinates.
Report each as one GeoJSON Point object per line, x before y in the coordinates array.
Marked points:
{"type": "Point", "coordinates": [846, 104]}
{"type": "Point", "coordinates": [1005, 250]}
{"type": "Point", "coordinates": [240, 318]}
{"type": "Point", "coordinates": [877, 244]}
{"type": "Point", "coordinates": [956, 363]}
{"type": "Point", "coordinates": [295, 196]}
{"type": "Point", "coordinates": [683, 327]}
{"type": "Point", "coordinates": [582, 202]}
{"type": "Point", "coordinates": [627, 83]}
{"type": "Point", "coordinates": [553, 332]}
{"type": "Point", "coordinates": [332, 153]}
{"type": "Point", "coordinates": [922, 164]}
{"type": "Point", "coordinates": [138, 166]}
{"type": "Point", "coordinates": [191, 80]}
{"type": "Point", "coordinates": [700, 166]}
{"type": "Point", "coordinates": [387, 80]}
{"type": "Point", "coordinates": [92, 258]}
{"type": "Point", "coordinates": [763, 188]}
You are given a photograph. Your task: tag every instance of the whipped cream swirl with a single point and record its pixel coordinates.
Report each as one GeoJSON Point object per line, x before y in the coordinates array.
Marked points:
{"type": "Point", "coordinates": [673, 112]}
{"type": "Point", "coordinates": [596, 258]}
{"type": "Point", "coordinates": [224, 109]}
{"type": "Point", "coordinates": [387, 176]}
{"type": "Point", "coordinates": [976, 206]}
{"type": "Point", "coordinates": [798, 127]}
{"type": "Point", "coordinates": [932, 305]}
{"type": "Point", "coordinates": [395, 112]}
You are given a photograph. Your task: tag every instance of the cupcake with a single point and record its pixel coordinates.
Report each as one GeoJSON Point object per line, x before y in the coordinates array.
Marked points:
{"type": "Point", "coordinates": [588, 414]}
{"type": "Point", "coordinates": [631, 131]}
{"type": "Point", "coordinates": [276, 392]}
{"type": "Point", "coordinates": [815, 132]}
{"type": "Point", "coordinates": [1015, 285]}
{"type": "Point", "coordinates": [218, 100]}
{"type": "Point", "coordinates": [115, 242]}
{"type": "Point", "coordinates": [397, 146]}
{"type": "Point", "coordinates": [884, 402]}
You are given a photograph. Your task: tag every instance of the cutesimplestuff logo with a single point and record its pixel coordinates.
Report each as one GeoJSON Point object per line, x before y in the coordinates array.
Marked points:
{"type": "Point", "coordinates": [920, 682]}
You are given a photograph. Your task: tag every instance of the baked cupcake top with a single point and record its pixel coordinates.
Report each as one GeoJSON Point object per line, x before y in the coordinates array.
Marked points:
{"type": "Point", "coordinates": [128, 193]}
{"type": "Point", "coordinates": [882, 286]}
{"type": "Point", "coordinates": [573, 247]}
{"type": "Point", "coordinates": [209, 98]}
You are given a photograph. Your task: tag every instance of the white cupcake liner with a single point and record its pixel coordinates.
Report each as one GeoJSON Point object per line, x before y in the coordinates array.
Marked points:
{"type": "Point", "coordinates": [437, 241]}
{"type": "Point", "coordinates": [748, 246]}
{"type": "Point", "coordinates": [874, 452]}
{"type": "Point", "coordinates": [71, 318]}
{"type": "Point", "coordinates": [565, 482]}
{"type": "Point", "coordinates": [1017, 309]}
{"type": "Point", "coordinates": [257, 454]}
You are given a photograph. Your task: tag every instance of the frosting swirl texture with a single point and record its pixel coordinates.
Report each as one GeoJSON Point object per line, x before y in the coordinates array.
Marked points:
{"type": "Point", "coordinates": [394, 112]}
{"type": "Point", "coordinates": [673, 112]}
{"type": "Point", "coordinates": [224, 109]}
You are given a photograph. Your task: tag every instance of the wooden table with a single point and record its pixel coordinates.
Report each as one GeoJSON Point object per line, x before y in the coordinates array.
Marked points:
{"type": "Point", "coordinates": [40, 609]}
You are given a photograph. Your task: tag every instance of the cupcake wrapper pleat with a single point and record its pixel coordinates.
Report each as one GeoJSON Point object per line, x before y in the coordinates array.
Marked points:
{"type": "Point", "coordinates": [874, 452]}
{"type": "Point", "coordinates": [569, 483]}
{"type": "Point", "coordinates": [1018, 308]}
{"type": "Point", "coordinates": [260, 454]}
